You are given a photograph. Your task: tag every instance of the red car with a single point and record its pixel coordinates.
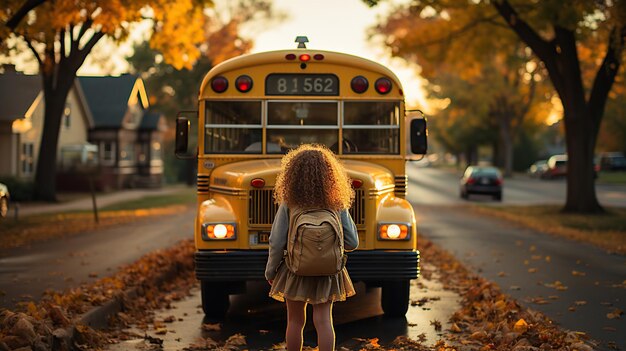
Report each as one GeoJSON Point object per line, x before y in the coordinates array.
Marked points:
{"type": "Point", "coordinates": [557, 167]}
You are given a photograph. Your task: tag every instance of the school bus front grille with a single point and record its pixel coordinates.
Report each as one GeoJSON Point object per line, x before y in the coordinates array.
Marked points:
{"type": "Point", "coordinates": [357, 211]}
{"type": "Point", "coordinates": [400, 185]}
{"type": "Point", "coordinates": [203, 184]}
{"type": "Point", "coordinates": [262, 208]}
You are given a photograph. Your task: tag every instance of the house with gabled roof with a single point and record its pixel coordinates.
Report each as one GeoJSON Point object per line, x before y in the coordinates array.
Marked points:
{"type": "Point", "coordinates": [129, 137]}
{"type": "Point", "coordinates": [21, 123]}
{"type": "Point", "coordinates": [106, 124]}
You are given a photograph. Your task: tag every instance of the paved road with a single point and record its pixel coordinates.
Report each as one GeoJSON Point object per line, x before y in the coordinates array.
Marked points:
{"type": "Point", "coordinates": [431, 186]}
{"type": "Point", "coordinates": [543, 272]}
{"type": "Point", "coordinates": [25, 273]}
{"type": "Point", "coordinates": [263, 321]}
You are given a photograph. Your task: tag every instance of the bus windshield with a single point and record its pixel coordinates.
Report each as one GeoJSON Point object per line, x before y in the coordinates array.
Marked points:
{"type": "Point", "coordinates": [368, 127]}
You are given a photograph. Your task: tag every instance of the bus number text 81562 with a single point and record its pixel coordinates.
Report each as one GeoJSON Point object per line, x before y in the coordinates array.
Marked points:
{"type": "Point", "coordinates": [302, 84]}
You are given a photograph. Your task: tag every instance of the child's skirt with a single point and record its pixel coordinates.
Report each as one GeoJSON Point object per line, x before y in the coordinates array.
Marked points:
{"type": "Point", "coordinates": [313, 290]}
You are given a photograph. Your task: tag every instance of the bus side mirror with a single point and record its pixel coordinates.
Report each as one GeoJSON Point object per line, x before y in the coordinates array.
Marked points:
{"type": "Point", "coordinates": [182, 137]}
{"type": "Point", "coordinates": [419, 133]}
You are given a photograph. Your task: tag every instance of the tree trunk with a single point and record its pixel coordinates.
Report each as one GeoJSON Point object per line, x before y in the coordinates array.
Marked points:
{"type": "Point", "coordinates": [581, 192]}
{"type": "Point", "coordinates": [507, 145]}
{"type": "Point", "coordinates": [45, 173]}
{"type": "Point", "coordinates": [496, 157]}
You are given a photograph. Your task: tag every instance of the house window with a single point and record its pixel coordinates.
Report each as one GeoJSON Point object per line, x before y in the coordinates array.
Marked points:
{"type": "Point", "coordinates": [143, 152]}
{"type": "Point", "coordinates": [128, 152]}
{"type": "Point", "coordinates": [27, 158]}
{"type": "Point", "coordinates": [107, 153]}
{"type": "Point", "coordinates": [67, 121]}
{"type": "Point", "coordinates": [156, 151]}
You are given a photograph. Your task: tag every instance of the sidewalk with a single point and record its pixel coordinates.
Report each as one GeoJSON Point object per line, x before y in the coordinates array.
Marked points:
{"type": "Point", "coordinates": [84, 203]}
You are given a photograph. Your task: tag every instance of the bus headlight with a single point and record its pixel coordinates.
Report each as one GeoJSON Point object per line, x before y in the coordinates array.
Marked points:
{"type": "Point", "coordinates": [219, 231]}
{"type": "Point", "coordinates": [394, 231]}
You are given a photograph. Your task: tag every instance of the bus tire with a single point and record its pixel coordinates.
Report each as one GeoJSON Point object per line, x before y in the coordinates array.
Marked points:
{"type": "Point", "coordinates": [215, 300]}
{"type": "Point", "coordinates": [395, 298]}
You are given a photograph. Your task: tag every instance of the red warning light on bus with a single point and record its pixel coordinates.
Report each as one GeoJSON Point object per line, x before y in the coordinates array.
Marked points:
{"type": "Point", "coordinates": [359, 84]}
{"type": "Point", "coordinates": [243, 83]}
{"type": "Point", "coordinates": [383, 85]}
{"type": "Point", "coordinates": [219, 84]}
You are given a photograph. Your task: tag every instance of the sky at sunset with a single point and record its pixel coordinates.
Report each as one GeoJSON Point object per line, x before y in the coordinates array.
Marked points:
{"type": "Point", "coordinates": [337, 25]}
{"type": "Point", "coordinates": [334, 25]}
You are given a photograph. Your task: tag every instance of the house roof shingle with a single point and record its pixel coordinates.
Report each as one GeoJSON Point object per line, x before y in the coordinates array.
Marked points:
{"type": "Point", "coordinates": [150, 120]}
{"type": "Point", "coordinates": [17, 93]}
{"type": "Point", "coordinates": [107, 98]}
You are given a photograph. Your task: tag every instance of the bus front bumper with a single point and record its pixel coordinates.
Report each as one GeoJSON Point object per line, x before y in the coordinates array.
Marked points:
{"type": "Point", "coordinates": [374, 265]}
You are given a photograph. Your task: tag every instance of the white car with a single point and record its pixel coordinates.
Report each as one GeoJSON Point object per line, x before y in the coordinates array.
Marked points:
{"type": "Point", "coordinates": [4, 200]}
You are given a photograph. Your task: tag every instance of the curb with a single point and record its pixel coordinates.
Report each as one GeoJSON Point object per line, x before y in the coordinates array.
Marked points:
{"type": "Point", "coordinates": [98, 316]}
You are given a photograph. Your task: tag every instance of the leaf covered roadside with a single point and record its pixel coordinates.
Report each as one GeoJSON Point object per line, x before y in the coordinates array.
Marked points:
{"type": "Point", "coordinates": [45, 325]}
{"type": "Point", "coordinates": [491, 320]}
{"type": "Point", "coordinates": [487, 319]}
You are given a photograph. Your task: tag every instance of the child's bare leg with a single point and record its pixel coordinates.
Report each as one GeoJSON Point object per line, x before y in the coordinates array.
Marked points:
{"type": "Point", "coordinates": [296, 317]}
{"type": "Point", "coordinates": [323, 320]}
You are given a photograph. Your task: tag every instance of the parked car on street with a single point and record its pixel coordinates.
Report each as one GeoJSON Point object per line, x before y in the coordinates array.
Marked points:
{"type": "Point", "coordinates": [4, 200]}
{"type": "Point", "coordinates": [485, 180]}
{"type": "Point", "coordinates": [612, 161]}
{"type": "Point", "coordinates": [538, 168]}
{"type": "Point", "coordinates": [557, 167]}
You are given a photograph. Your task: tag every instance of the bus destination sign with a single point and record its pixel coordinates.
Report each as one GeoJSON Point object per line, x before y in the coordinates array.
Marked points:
{"type": "Point", "coordinates": [302, 84]}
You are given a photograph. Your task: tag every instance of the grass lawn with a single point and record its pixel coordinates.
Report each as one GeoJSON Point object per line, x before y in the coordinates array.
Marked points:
{"type": "Point", "coordinates": [185, 196]}
{"type": "Point", "coordinates": [48, 226]}
{"type": "Point", "coordinates": [607, 230]}
{"type": "Point", "coordinates": [611, 177]}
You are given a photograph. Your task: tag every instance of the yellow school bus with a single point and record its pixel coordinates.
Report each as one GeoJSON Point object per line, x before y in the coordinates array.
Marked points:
{"type": "Point", "coordinates": [252, 110]}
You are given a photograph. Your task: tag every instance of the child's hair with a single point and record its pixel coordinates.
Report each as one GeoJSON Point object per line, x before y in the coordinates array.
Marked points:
{"type": "Point", "coordinates": [311, 176]}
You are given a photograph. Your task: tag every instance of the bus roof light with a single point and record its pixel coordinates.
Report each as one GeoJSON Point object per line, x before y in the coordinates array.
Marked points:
{"type": "Point", "coordinates": [257, 182]}
{"type": "Point", "coordinates": [318, 57]}
{"type": "Point", "coordinates": [305, 57]}
{"type": "Point", "coordinates": [290, 57]}
{"type": "Point", "coordinates": [359, 84]}
{"type": "Point", "coordinates": [383, 85]}
{"type": "Point", "coordinates": [302, 40]}
{"type": "Point", "coordinates": [219, 84]}
{"type": "Point", "coordinates": [243, 83]}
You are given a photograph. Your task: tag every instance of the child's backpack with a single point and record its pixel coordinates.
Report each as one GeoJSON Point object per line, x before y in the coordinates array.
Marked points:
{"type": "Point", "coordinates": [315, 243]}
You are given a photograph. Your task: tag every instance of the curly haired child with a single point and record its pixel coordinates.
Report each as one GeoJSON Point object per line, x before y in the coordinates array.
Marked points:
{"type": "Point", "coordinates": [311, 177]}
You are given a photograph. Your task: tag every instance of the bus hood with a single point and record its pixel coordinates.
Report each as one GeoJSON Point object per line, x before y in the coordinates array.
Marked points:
{"type": "Point", "coordinates": [239, 174]}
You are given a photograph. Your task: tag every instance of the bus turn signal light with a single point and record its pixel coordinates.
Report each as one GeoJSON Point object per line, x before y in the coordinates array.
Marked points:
{"type": "Point", "coordinates": [383, 85]}
{"type": "Point", "coordinates": [393, 232]}
{"type": "Point", "coordinates": [243, 83]}
{"type": "Point", "coordinates": [219, 84]}
{"type": "Point", "coordinates": [357, 183]}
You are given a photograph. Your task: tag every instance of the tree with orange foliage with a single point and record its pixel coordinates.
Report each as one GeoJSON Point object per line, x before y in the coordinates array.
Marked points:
{"type": "Point", "coordinates": [554, 31]}
{"type": "Point", "coordinates": [61, 34]}
{"type": "Point", "coordinates": [501, 78]}
{"type": "Point", "coordinates": [174, 90]}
